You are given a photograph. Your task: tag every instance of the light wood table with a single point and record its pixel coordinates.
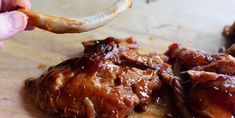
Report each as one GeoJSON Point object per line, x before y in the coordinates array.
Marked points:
{"type": "Point", "coordinates": [192, 23]}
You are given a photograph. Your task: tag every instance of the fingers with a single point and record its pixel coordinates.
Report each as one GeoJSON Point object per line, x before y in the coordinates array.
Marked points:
{"type": "Point", "coordinates": [7, 5]}
{"type": "Point", "coordinates": [12, 23]}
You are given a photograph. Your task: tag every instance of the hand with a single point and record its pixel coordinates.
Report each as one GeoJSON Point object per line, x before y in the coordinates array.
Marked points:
{"type": "Point", "coordinates": [12, 22]}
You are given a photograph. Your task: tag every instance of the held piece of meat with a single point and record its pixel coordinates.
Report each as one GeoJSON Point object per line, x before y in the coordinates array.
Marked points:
{"type": "Point", "coordinates": [110, 79]}
{"type": "Point", "coordinates": [206, 87]}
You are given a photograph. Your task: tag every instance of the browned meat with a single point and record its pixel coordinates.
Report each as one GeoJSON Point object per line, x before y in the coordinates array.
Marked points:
{"type": "Point", "coordinates": [229, 35]}
{"type": "Point", "coordinates": [229, 32]}
{"type": "Point", "coordinates": [191, 58]}
{"type": "Point", "coordinates": [206, 87]}
{"type": "Point", "coordinates": [211, 94]}
{"type": "Point", "coordinates": [109, 80]}
{"type": "Point", "coordinates": [231, 50]}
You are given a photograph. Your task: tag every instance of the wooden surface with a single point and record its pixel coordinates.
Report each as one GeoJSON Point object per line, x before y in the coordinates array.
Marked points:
{"type": "Point", "coordinates": [193, 23]}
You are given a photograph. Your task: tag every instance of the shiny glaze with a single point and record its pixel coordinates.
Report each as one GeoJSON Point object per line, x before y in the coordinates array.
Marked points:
{"type": "Point", "coordinates": [206, 85]}
{"type": "Point", "coordinates": [109, 80]}
{"type": "Point", "coordinates": [220, 67]}
{"type": "Point", "coordinates": [191, 58]}
{"type": "Point", "coordinates": [229, 35]}
{"type": "Point", "coordinates": [213, 94]}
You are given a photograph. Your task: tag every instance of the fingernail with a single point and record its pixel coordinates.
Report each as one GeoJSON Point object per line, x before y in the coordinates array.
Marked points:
{"type": "Point", "coordinates": [18, 20]}
{"type": "Point", "coordinates": [12, 23]}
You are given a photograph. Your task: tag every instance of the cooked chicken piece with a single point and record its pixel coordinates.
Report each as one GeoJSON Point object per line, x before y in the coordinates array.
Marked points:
{"type": "Point", "coordinates": [229, 32]}
{"type": "Point", "coordinates": [231, 50]}
{"type": "Point", "coordinates": [110, 80]}
{"type": "Point", "coordinates": [206, 87]}
{"type": "Point", "coordinates": [211, 95]}
{"type": "Point", "coordinates": [221, 67]}
{"type": "Point", "coordinates": [191, 58]}
{"type": "Point", "coordinates": [229, 35]}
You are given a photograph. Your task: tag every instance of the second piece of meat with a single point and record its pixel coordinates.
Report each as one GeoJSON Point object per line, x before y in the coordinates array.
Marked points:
{"type": "Point", "coordinates": [206, 88]}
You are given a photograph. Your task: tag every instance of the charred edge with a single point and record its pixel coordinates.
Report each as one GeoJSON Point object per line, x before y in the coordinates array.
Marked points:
{"type": "Point", "coordinates": [134, 65]}
{"type": "Point", "coordinates": [180, 99]}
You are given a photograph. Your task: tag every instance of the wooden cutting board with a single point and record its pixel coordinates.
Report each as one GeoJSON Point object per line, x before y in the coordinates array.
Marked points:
{"type": "Point", "coordinates": [192, 23]}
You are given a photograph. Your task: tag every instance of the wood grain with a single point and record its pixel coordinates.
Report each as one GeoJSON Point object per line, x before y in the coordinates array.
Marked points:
{"type": "Point", "coordinates": [193, 23]}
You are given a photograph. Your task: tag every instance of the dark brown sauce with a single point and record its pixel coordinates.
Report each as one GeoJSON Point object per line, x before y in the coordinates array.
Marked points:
{"type": "Point", "coordinates": [165, 99]}
{"type": "Point", "coordinates": [109, 80]}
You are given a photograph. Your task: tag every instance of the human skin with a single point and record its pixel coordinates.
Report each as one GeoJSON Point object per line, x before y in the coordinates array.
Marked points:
{"type": "Point", "coordinates": [12, 22]}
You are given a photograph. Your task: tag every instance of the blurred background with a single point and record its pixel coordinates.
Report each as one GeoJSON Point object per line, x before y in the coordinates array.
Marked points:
{"type": "Point", "coordinates": [193, 23]}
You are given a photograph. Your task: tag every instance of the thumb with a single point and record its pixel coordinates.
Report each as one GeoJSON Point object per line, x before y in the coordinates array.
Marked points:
{"type": "Point", "coordinates": [11, 23]}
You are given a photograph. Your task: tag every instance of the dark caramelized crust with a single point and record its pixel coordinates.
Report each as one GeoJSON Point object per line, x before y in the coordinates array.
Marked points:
{"type": "Point", "coordinates": [229, 32]}
{"type": "Point", "coordinates": [211, 94]}
{"type": "Point", "coordinates": [231, 50]}
{"type": "Point", "coordinates": [229, 35]}
{"type": "Point", "coordinates": [191, 58]}
{"type": "Point", "coordinates": [109, 80]}
{"type": "Point", "coordinates": [207, 84]}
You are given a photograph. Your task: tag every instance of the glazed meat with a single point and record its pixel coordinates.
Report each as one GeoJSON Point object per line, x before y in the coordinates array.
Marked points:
{"type": "Point", "coordinates": [206, 87]}
{"type": "Point", "coordinates": [111, 79]}
{"type": "Point", "coordinates": [231, 50]}
{"type": "Point", "coordinates": [191, 58]}
{"type": "Point", "coordinates": [229, 32]}
{"type": "Point", "coordinates": [229, 35]}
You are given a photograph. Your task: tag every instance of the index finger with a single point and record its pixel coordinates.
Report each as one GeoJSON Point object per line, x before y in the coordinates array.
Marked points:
{"type": "Point", "coordinates": [8, 5]}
